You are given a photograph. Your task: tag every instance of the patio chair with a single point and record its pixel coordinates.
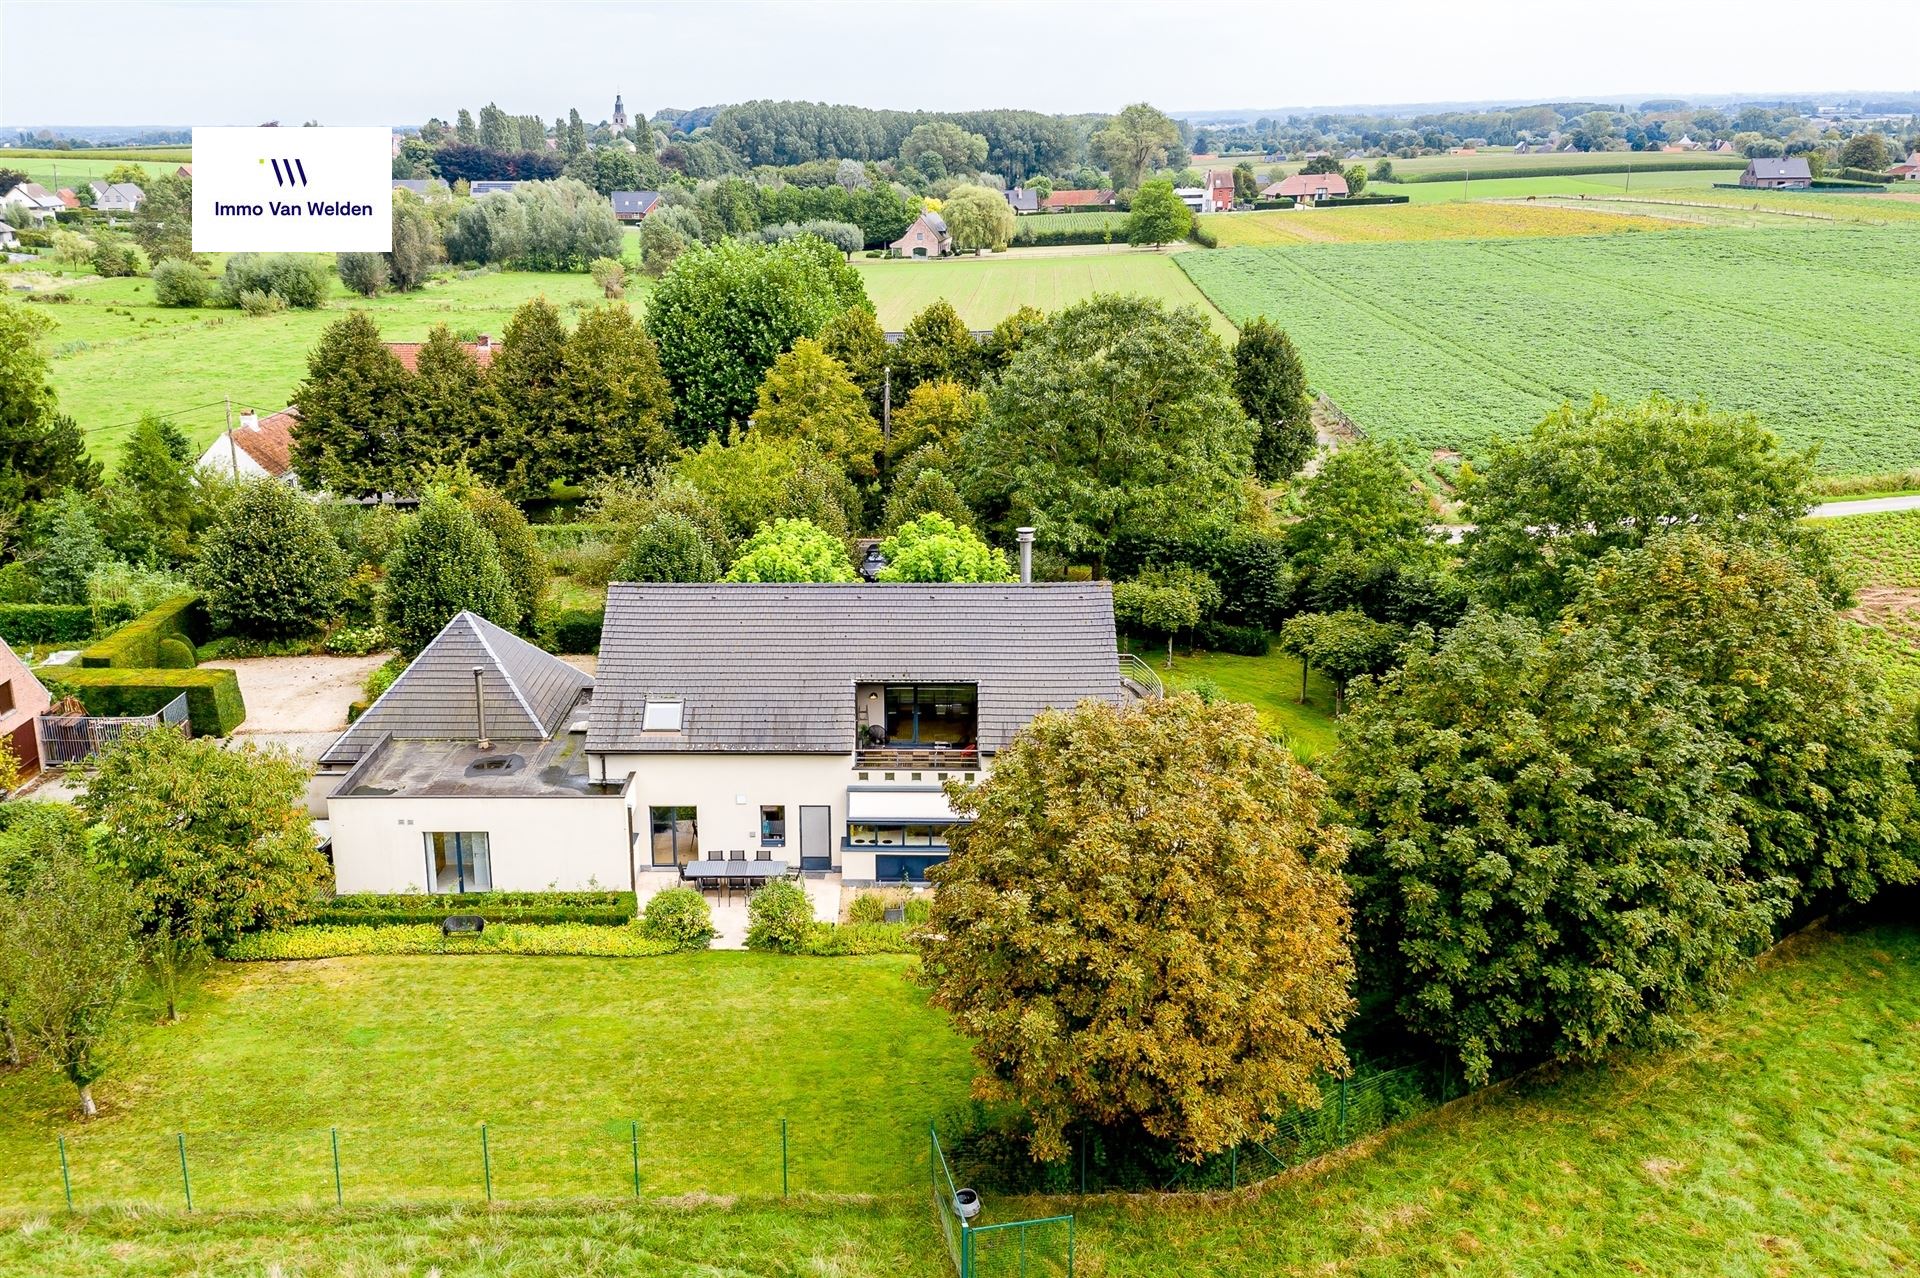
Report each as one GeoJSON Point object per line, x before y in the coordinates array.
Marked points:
{"type": "Point", "coordinates": [738, 854]}
{"type": "Point", "coordinates": [764, 854]}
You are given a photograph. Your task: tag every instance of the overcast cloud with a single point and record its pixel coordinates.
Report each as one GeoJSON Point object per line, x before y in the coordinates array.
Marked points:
{"type": "Point", "coordinates": [399, 61]}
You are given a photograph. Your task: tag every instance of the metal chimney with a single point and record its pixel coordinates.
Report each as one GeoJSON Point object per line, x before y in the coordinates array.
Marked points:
{"type": "Point", "coordinates": [1026, 554]}
{"type": "Point", "coordinates": [480, 711]}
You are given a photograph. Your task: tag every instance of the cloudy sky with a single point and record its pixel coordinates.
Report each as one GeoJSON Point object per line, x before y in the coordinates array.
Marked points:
{"type": "Point", "coordinates": [399, 61]}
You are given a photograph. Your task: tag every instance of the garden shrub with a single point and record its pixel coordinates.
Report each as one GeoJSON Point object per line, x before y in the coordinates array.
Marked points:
{"type": "Point", "coordinates": [868, 907]}
{"type": "Point", "coordinates": [42, 624]}
{"type": "Point", "coordinates": [572, 631]}
{"type": "Point", "coordinates": [136, 645]}
{"type": "Point", "coordinates": [175, 654]}
{"type": "Point", "coordinates": [340, 940]}
{"type": "Point", "coordinates": [680, 915]}
{"type": "Point", "coordinates": [828, 940]}
{"type": "Point", "coordinates": [213, 696]}
{"type": "Point", "coordinates": [919, 910]}
{"type": "Point", "coordinates": [587, 909]}
{"type": "Point", "coordinates": [1203, 237]}
{"type": "Point", "coordinates": [779, 916]}
{"type": "Point", "coordinates": [178, 282]}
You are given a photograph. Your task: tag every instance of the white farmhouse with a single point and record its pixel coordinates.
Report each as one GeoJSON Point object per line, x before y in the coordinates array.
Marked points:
{"type": "Point", "coordinates": [258, 448]}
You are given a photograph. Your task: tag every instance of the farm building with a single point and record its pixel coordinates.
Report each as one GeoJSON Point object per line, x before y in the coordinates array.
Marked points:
{"type": "Point", "coordinates": [23, 699]}
{"type": "Point", "coordinates": [1305, 188]}
{"type": "Point", "coordinates": [1077, 199]}
{"type": "Point", "coordinates": [927, 237]}
{"type": "Point", "coordinates": [258, 448]}
{"type": "Point", "coordinates": [1908, 170]}
{"type": "Point", "coordinates": [482, 348]}
{"type": "Point", "coordinates": [632, 206]}
{"type": "Point", "coordinates": [1021, 200]}
{"type": "Point", "coordinates": [1790, 174]}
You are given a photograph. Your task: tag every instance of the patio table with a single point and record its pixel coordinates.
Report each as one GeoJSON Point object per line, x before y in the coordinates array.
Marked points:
{"type": "Point", "coordinates": [734, 872]}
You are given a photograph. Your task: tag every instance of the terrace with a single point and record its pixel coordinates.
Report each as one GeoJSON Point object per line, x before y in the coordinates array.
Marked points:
{"type": "Point", "coordinates": [917, 725]}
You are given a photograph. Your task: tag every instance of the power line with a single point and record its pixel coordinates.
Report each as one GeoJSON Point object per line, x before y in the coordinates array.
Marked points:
{"type": "Point", "coordinates": [162, 413]}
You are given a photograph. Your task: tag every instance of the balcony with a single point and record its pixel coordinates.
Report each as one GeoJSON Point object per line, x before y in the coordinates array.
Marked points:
{"type": "Point", "coordinates": [942, 758]}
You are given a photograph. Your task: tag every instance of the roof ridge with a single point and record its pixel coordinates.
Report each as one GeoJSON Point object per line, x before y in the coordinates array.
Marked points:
{"type": "Point", "coordinates": [500, 664]}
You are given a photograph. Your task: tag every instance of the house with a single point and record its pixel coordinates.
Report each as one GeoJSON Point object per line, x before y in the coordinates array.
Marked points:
{"type": "Point", "coordinates": [1789, 174]}
{"type": "Point", "coordinates": [1021, 200]}
{"type": "Point", "coordinates": [632, 206]}
{"type": "Point", "coordinates": [7, 238]}
{"type": "Point", "coordinates": [23, 699]}
{"type": "Point", "coordinates": [1721, 147]}
{"type": "Point", "coordinates": [116, 197]}
{"type": "Point", "coordinates": [482, 348]}
{"type": "Point", "coordinates": [927, 237]}
{"type": "Point", "coordinates": [419, 186]}
{"type": "Point", "coordinates": [490, 188]}
{"type": "Point", "coordinates": [32, 202]}
{"type": "Point", "coordinates": [1219, 191]}
{"type": "Point", "coordinates": [186, 170]}
{"type": "Point", "coordinates": [1194, 197]}
{"type": "Point", "coordinates": [810, 725]}
{"type": "Point", "coordinates": [1907, 171]}
{"type": "Point", "coordinates": [67, 196]}
{"type": "Point", "coordinates": [1305, 188]}
{"type": "Point", "coordinates": [258, 448]}
{"type": "Point", "coordinates": [1077, 199]}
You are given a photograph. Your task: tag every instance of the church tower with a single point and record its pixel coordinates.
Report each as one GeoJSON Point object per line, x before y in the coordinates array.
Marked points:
{"type": "Point", "coordinates": [619, 113]}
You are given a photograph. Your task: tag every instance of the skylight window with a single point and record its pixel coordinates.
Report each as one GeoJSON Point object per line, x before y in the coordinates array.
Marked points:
{"type": "Point", "coordinates": [663, 716]}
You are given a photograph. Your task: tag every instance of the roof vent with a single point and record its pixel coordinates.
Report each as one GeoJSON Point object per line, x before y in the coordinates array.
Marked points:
{"type": "Point", "coordinates": [480, 711]}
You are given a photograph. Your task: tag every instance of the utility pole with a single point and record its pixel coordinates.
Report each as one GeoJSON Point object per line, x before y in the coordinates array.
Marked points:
{"type": "Point", "coordinates": [233, 451]}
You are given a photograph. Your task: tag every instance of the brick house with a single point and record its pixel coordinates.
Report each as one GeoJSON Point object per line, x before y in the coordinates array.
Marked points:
{"type": "Point", "coordinates": [1305, 188]}
{"type": "Point", "coordinates": [23, 699]}
{"type": "Point", "coordinates": [927, 237]}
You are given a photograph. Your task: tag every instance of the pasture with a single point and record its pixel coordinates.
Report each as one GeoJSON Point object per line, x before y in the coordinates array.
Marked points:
{"type": "Point", "coordinates": [1449, 344]}
{"type": "Point", "coordinates": [1374, 222]}
{"type": "Point", "coordinates": [55, 169]}
{"type": "Point", "coordinates": [1881, 556]}
{"type": "Point", "coordinates": [987, 290]}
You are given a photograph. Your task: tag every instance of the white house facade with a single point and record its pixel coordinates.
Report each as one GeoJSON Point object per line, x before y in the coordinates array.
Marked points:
{"type": "Point", "coordinates": [803, 729]}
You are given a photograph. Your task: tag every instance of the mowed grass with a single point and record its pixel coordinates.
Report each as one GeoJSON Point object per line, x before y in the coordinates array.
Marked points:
{"type": "Point", "coordinates": [1417, 222]}
{"type": "Point", "coordinates": [1881, 556]}
{"type": "Point", "coordinates": [1270, 684]}
{"type": "Point", "coordinates": [407, 1057]}
{"type": "Point", "coordinates": [116, 355]}
{"type": "Point", "coordinates": [1449, 344]}
{"type": "Point", "coordinates": [987, 290]}
{"type": "Point", "coordinates": [1779, 1142]}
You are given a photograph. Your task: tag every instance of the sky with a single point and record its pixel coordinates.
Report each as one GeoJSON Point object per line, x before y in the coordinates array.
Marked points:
{"type": "Point", "coordinates": [79, 62]}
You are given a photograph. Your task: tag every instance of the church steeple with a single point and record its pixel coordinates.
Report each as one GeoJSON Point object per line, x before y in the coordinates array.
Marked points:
{"type": "Point", "coordinates": [619, 113]}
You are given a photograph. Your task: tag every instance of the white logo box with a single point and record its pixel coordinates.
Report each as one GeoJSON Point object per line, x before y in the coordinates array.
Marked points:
{"type": "Point", "coordinates": [292, 190]}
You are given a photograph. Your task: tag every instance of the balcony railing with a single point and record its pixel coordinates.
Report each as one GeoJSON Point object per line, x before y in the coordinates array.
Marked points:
{"type": "Point", "coordinates": [1140, 678]}
{"type": "Point", "coordinates": [919, 757]}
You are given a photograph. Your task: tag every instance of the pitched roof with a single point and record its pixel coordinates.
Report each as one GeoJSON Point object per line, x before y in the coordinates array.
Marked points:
{"type": "Point", "coordinates": [1023, 200]}
{"type": "Point", "coordinates": [934, 220]}
{"type": "Point", "coordinates": [529, 695]}
{"type": "Point", "coordinates": [408, 353]}
{"type": "Point", "coordinates": [417, 185]}
{"type": "Point", "coordinates": [1075, 198]}
{"type": "Point", "coordinates": [1313, 183]}
{"type": "Point", "coordinates": [269, 443]}
{"type": "Point", "coordinates": [1785, 170]}
{"type": "Point", "coordinates": [772, 668]}
{"type": "Point", "coordinates": [639, 202]}
{"type": "Point", "coordinates": [67, 197]}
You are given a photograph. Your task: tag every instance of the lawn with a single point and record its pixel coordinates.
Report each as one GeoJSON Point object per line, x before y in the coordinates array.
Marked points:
{"type": "Point", "coordinates": [406, 1057]}
{"type": "Point", "coordinates": [1881, 554]}
{"type": "Point", "coordinates": [986, 290]}
{"type": "Point", "coordinates": [116, 355]}
{"type": "Point", "coordinates": [1271, 684]}
{"type": "Point", "coordinates": [1448, 344]}
{"type": "Point", "coordinates": [1371, 222]}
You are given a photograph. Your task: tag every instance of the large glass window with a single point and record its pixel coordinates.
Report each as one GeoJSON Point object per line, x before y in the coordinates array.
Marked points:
{"type": "Point", "coordinates": [675, 834]}
{"type": "Point", "coordinates": [866, 834]}
{"type": "Point", "coordinates": [460, 862]}
{"type": "Point", "coordinates": [930, 714]}
{"type": "Point", "coordinates": [773, 825]}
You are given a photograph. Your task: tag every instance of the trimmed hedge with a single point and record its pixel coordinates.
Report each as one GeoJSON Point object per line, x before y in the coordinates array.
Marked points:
{"type": "Point", "coordinates": [572, 631]}
{"type": "Point", "coordinates": [1027, 233]}
{"type": "Point", "coordinates": [1643, 162]}
{"type": "Point", "coordinates": [631, 941]}
{"type": "Point", "coordinates": [1202, 236]}
{"type": "Point", "coordinates": [213, 696]}
{"type": "Point", "coordinates": [136, 645]}
{"type": "Point", "coordinates": [1349, 201]}
{"type": "Point", "coordinates": [1278, 202]}
{"type": "Point", "coordinates": [58, 623]}
{"type": "Point", "coordinates": [591, 909]}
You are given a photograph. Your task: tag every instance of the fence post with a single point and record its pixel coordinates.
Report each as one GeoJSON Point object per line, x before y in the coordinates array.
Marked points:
{"type": "Point", "coordinates": [66, 1177]}
{"type": "Point", "coordinates": [186, 1182]}
{"type": "Point", "coordinates": [633, 1125]}
{"type": "Point", "coordinates": [783, 1158]}
{"type": "Point", "coordinates": [1023, 1252]}
{"type": "Point", "coordinates": [486, 1161]}
{"type": "Point", "coordinates": [339, 1197]}
{"type": "Point", "coordinates": [966, 1251]}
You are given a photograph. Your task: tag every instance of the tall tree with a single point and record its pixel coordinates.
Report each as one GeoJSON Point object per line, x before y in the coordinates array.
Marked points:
{"type": "Point", "coordinates": [1271, 381]}
{"type": "Point", "coordinates": [1144, 926]}
{"type": "Point", "coordinates": [355, 436]}
{"type": "Point", "coordinates": [454, 416]}
{"type": "Point", "coordinates": [270, 567]}
{"type": "Point", "coordinates": [977, 218]}
{"type": "Point", "coordinates": [1132, 142]}
{"type": "Point", "coordinates": [151, 504]}
{"type": "Point", "coordinates": [1158, 216]}
{"type": "Point", "coordinates": [791, 550]}
{"type": "Point", "coordinates": [936, 346]}
{"type": "Point", "coordinates": [444, 563]}
{"type": "Point", "coordinates": [524, 379]}
{"type": "Point", "coordinates": [935, 548]}
{"type": "Point", "coordinates": [669, 547]}
{"type": "Point", "coordinates": [613, 411]}
{"type": "Point", "coordinates": [416, 243]}
{"type": "Point", "coordinates": [808, 396]}
{"type": "Point", "coordinates": [855, 338]}
{"type": "Point", "coordinates": [41, 452]}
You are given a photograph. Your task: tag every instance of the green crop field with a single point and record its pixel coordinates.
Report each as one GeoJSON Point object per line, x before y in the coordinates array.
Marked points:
{"type": "Point", "coordinates": [116, 355]}
{"type": "Point", "coordinates": [1881, 555]}
{"type": "Point", "coordinates": [1455, 221]}
{"type": "Point", "coordinates": [1448, 344]}
{"type": "Point", "coordinates": [986, 290]}
{"type": "Point", "coordinates": [55, 169]}
{"type": "Point", "coordinates": [1778, 1140]}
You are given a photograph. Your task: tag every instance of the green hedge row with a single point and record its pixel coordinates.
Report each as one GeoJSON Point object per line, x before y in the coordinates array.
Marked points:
{"type": "Point", "coordinates": [58, 623]}
{"type": "Point", "coordinates": [572, 632]}
{"type": "Point", "coordinates": [1346, 201]}
{"type": "Point", "coordinates": [1278, 202]}
{"type": "Point", "coordinates": [213, 696]}
{"type": "Point", "coordinates": [600, 909]}
{"type": "Point", "coordinates": [632, 941]}
{"type": "Point", "coordinates": [1029, 232]}
{"type": "Point", "coordinates": [136, 645]}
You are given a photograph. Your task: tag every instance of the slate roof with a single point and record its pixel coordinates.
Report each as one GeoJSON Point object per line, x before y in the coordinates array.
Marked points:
{"type": "Point", "coordinates": [1792, 170]}
{"type": "Point", "coordinates": [634, 203]}
{"type": "Point", "coordinates": [417, 185]}
{"type": "Point", "coordinates": [1023, 200]}
{"type": "Point", "coordinates": [530, 695]}
{"type": "Point", "coordinates": [772, 668]}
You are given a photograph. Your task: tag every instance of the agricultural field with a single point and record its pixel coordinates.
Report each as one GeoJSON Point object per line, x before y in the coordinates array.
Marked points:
{"type": "Point", "coordinates": [1374, 222]}
{"type": "Point", "coordinates": [1881, 555]}
{"type": "Point", "coordinates": [1776, 1141]}
{"type": "Point", "coordinates": [1448, 344]}
{"type": "Point", "coordinates": [116, 355]}
{"type": "Point", "coordinates": [986, 290]}
{"type": "Point", "coordinates": [55, 169]}
{"type": "Point", "coordinates": [406, 1057]}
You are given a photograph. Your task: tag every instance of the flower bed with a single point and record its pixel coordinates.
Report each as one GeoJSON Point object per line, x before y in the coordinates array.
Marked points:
{"type": "Point", "coordinates": [343, 940]}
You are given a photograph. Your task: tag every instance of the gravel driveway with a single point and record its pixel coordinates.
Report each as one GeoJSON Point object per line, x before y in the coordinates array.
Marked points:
{"type": "Point", "coordinates": [289, 695]}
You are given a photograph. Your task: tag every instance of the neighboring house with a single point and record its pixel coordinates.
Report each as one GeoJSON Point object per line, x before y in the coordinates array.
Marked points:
{"type": "Point", "coordinates": [1219, 190]}
{"type": "Point", "coordinates": [632, 206]}
{"type": "Point", "coordinates": [1194, 197]}
{"type": "Point", "coordinates": [23, 699]}
{"type": "Point", "coordinates": [1305, 188]}
{"type": "Point", "coordinates": [1021, 200]}
{"type": "Point", "coordinates": [1078, 199]}
{"type": "Point", "coordinates": [1907, 171]}
{"type": "Point", "coordinates": [31, 202]}
{"type": "Point", "coordinates": [418, 186]}
{"type": "Point", "coordinates": [67, 196]}
{"type": "Point", "coordinates": [927, 237]}
{"type": "Point", "coordinates": [1787, 174]}
{"type": "Point", "coordinates": [7, 238]}
{"type": "Point", "coordinates": [1721, 147]}
{"type": "Point", "coordinates": [490, 188]}
{"type": "Point", "coordinates": [116, 197]}
{"type": "Point", "coordinates": [482, 348]}
{"type": "Point", "coordinates": [258, 448]}
{"type": "Point", "coordinates": [186, 170]}
{"type": "Point", "coordinates": [814, 725]}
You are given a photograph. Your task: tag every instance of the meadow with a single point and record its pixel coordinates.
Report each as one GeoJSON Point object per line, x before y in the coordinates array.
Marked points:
{"type": "Point", "coordinates": [1881, 556]}
{"type": "Point", "coordinates": [1449, 344]}
{"type": "Point", "coordinates": [1777, 1140]}
{"type": "Point", "coordinates": [986, 290]}
{"type": "Point", "coordinates": [55, 169]}
{"type": "Point", "coordinates": [1270, 684]}
{"type": "Point", "coordinates": [1458, 221]}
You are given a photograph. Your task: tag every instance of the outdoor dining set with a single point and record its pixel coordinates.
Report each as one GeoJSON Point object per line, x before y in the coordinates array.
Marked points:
{"type": "Point", "coordinates": [716, 873]}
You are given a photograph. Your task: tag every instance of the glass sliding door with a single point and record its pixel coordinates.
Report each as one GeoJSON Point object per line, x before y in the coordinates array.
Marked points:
{"type": "Point", "coordinates": [675, 835]}
{"type": "Point", "coordinates": [459, 862]}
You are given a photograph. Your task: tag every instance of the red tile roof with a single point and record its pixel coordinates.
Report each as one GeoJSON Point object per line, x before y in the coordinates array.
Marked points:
{"type": "Point", "coordinates": [271, 442]}
{"type": "Point", "coordinates": [67, 197]}
{"type": "Point", "coordinates": [1077, 199]}
{"type": "Point", "coordinates": [1311, 184]}
{"type": "Point", "coordinates": [409, 352]}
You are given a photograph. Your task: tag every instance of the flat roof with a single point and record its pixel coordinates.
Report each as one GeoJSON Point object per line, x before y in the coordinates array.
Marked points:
{"type": "Point", "coordinates": [461, 769]}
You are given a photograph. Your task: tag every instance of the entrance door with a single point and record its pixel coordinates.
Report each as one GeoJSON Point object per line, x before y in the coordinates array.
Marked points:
{"type": "Point", "coordinates": [816, 833]}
